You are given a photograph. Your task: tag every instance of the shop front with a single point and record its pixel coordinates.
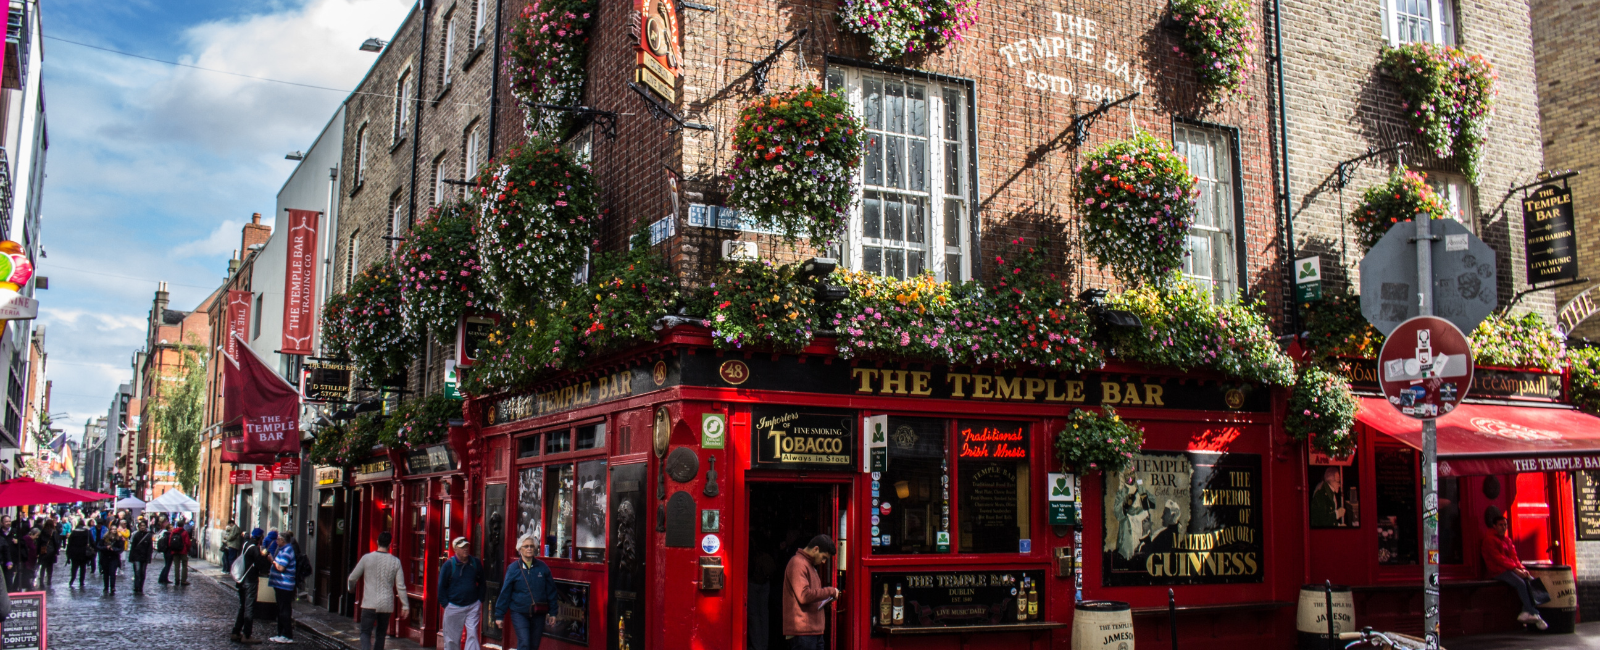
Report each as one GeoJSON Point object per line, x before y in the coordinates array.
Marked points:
{"type": "Point", "coordinates": [334, 555]}
{"type": "Point", "coordinates": [669, 489]}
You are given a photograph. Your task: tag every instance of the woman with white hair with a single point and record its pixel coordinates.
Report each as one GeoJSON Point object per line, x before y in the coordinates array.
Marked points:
{"type": "Point", "coordinates": [526, 594]}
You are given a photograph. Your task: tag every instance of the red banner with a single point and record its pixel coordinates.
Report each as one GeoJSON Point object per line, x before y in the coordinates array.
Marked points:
{"type": "Point", "coordinates": [300, 283]}
{"type": "Point", "coordinates": [266, 406]}
{"type": "Point", "coordinates": [263, 473]}
{"type": "Point", "coordinates": [286, 468]}
{"type": "Point", "coordinates": [239, 477]}
{"type": "Point", "coordinates": [238, 321]}
{"type": "Point", "coordinates": [233, 449]}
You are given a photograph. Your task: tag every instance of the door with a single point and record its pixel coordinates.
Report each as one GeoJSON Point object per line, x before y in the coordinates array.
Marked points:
{"type": "Point", "coordinates": [322, 587]}
{"type": "Point", "coordinates": [490, 529]}
{"type": "Point", "coordinates": [418, 545]}
{"type": "Point", "coordinates": [627, 580]}
{"type": "Point", "coordinates": [1531, 527]}
{"type": "Point", "coordinates": [840, 624]}
{"type": "Point", "coordinates": [784, 517]}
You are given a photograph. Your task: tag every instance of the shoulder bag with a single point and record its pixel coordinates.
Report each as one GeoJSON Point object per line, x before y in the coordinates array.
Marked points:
{"type": "Point", "coordinates": [538, 608]}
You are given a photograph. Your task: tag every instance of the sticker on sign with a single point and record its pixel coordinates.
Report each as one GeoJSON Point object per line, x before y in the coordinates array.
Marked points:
{"type": "Point", "coordinates": [1425, 367]}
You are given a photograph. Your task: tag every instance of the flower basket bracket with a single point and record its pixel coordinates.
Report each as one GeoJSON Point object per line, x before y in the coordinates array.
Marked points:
{"type": "Point", "coordinates": [1077, 132]}
{"type": "Point", "coordinates": [759, 69]}
{"type": "Point", "coordinates": [606, 120]}
{"type": "Point", "coordinates": [659, 111]}
{"type": "Point", "coordinates": [1347, 168]}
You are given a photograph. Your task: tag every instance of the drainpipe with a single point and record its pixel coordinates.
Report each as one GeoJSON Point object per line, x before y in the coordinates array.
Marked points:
{"type": "Point", "coordinates": [494, 82]}
{"type": "Point", "coordinates": [1292, 313]}
{"type": "Point", "coordinates": [416, 118]}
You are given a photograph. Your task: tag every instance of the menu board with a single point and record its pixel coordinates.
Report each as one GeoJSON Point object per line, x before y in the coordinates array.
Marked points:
{"type": "Point", "coordinates": [956, 598]}
{"type": "Point", "coordinates": [1184, 518]}
{"type": "Point", "coordinates": [1397, 505]}
{"type": "Point", "coordinates": [1586, 485]}
{"type": "Point", "coordinates": [25, 627]}
{"type": "Point", "coordinates": [992, 485]}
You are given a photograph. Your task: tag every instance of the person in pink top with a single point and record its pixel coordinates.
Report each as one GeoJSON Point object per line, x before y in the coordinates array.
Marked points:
{"type": "Point", "coordinates": [805, 595]}
{"type": "Point", "coordinates": [1500, 560]}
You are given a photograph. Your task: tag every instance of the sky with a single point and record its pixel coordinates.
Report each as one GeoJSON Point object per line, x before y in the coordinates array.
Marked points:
{"type": "Point", "coordinates": [154, 168]}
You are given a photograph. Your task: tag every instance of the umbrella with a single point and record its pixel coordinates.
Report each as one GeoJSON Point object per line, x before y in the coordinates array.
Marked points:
{"type": "Point", "coordinates": [173, 501]}
{"type": "Point", "coordinates": [129, 503]}
{"type": "Point", "coordinates": [28, 492]}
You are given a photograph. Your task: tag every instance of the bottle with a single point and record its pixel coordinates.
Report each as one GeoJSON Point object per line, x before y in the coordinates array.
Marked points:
{"type": "Point", "coordinates": [884, 607]}
{"type": "Point", "coordinates": [899, 607]}
{"type": "Point", "coordinates": [622, 633]}
{"type": "Point", "coordinates": [1033, 601]}
{"type": "Point", "coordinates": [1022, 600]}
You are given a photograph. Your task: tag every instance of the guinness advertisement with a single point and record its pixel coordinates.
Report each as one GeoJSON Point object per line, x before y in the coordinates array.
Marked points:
{"type": "Point", "coordinates": [1549, 232]}
{"type": "Point", "coordinates": [956, 598]}
{"type": "Point", "coordinates": [1184, 518]}
{"type": "Point", "coordinates": [790, 438]}
{"type": "Point", "coordinates": [1487, 383]}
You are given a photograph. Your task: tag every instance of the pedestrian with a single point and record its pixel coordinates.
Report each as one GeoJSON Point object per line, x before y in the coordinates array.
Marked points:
{"type": "Point", "coordinates": [178, 544]}
{"type": "Point", "coordinates": [141, 548]}
{"type": "Point", "coordinates": [164, 547]}
{"type": "Point", "coordinates": [29, 559]}
{"type": "Point", "coordinates": [97, 533]}
{"type": "Point", "coordinates": [193, 547]}
{"type": "Point", "coordinates": [49, 550]}
{"type": "Point", "coordinates": [805, 595]}
{"type": "Point", "coordinates": [1501, 563]}
{"type": "Point", "coordinates": [232, 541]}
{"type": "Point", "coordinates": [526, 594]}
{"type": "Point", "coordinates": [79, 550]}
{"type": "Point", "coordinates": [381, 585]}
{"type": "Point", "coordinates": [255, 563]}
{"type": "Point", "coordinates": [282, 580]}
{"type": "Point", "coordinates": [461, 584]}
{"type": "Point", "coordinates": [111, 547]}
{"type": "Point", "coordinates": [8, 553]}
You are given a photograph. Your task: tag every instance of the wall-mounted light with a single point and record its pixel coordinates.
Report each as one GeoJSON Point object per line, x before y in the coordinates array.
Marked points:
{"type": "Point", "coordinates": [374, 45]}
{"type": "Point", "coordinates": [295, 155]}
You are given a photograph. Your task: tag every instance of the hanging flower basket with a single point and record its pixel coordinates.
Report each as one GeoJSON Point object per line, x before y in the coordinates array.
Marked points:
{"type": "Point", "coordinates": [1184, 328]}
{"type": "Point", "coordinates": [440, 277]}
{"type": "Point", "coordinates": [518, 353]}
{"type": "Point", "coordinates": [1405, 196]}
{"type": "Point", "coordinates": [1518, 342]}
{"type": "Point", "coordinates": [546, 56]}
{"type": "Point", "coordinates": [1097, 442]}
{"type": "Point", "coordinates": [1219, 37]}
{"type": "Point", "coordinates": [420, 423]}
{"type": "Point", "coordinates": [1322, 410]}
{"type": "Point", "coordinates": [337, 330]}
{"type": "Point", "coordinates": [535, 226]}
{"type": "Point", "coordinates": [1137, 201]}
{"type": "Point", "coordinates": [758, 304]}
{"type": "Point", "coordinates": [345, 444]}
{"type": "Point", "coordinates": [1585, 387]}
{"type": "Point", "coordinates": [795, 160]}
{"type": "Point", "coordinates": [897, 28]}
{"type": "Point", "coordinates": [1337, 328]}
{"type": "Point", "coordinates": [378, 341]}
{"type": "Point", "coordinates": [1449, 96]}
{"type": "Point", "coordinates": [627, 295]}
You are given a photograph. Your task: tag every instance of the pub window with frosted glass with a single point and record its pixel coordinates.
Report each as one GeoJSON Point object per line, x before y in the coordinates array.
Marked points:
{"type": "Point", "coordinates": [558, 540]}
{"type": "Point", "coordinates": [992, 471]}
{"type": "Point", "coordinates": [914, 207]}
{"type": "Point", "coordinates": [915, 487]}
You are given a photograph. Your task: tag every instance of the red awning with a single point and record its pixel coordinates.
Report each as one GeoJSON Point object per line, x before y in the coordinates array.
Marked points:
{"type": "Point", "coordinates": [1479, 439]}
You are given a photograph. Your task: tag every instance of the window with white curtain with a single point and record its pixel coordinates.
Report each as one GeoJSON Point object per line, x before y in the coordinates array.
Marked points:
{"type": "Point", "coordinates": [915, 196]}
{"type": "Point", "coordinates": [1455, 191]}
{"type": "Point", "coordinates": [439, 178]}
{"type": "Point", "coordinates": [1210, 262]}
{"type": "Point", "coordinates": [361, 155]}
{"type": "Point", "coordinates": [402, 105]}
{"type": "Point", "coordinates": [480, 21]}
{"type": "Point", "coordinates": [1419, 21]}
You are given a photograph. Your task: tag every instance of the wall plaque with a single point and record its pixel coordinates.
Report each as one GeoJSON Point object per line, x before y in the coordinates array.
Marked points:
{"type": "Point", "coordinates": [683, 465]}
{"type": "Point", "coordinates": [681, 520]}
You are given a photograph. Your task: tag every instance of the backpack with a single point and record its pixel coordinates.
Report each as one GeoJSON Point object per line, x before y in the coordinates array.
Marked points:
{"type": "Point", "coordinates": [302, 566]}
{"type": "Point", "coordinates": [161, 542]}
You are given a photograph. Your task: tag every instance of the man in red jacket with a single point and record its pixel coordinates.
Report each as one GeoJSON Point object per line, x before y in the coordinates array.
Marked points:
{"type": "Point", "coordinates": [1500, 560]}
{"type": "Point", "coordinates": [805, 595]}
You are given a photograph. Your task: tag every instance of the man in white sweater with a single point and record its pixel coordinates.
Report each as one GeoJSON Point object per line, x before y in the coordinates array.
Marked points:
{"type": "Point", "coordinates": [383, 583]}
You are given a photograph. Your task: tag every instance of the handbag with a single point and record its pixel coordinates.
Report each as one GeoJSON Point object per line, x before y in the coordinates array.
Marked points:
{"type": "Point", "coordinates": [1540, 594]}
{"type": "Point", "coordinates": [538, 608]}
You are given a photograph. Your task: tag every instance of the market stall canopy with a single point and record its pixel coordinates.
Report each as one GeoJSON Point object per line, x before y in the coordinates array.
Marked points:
{"type": "Point", "coordinates": [173, 501]}
{"type": "Point", "coordinates": [1482, 439]}
{"type": "Point", "coordinates": [129, 503]}
{"type": "Point", "coordinates": [28, 492]}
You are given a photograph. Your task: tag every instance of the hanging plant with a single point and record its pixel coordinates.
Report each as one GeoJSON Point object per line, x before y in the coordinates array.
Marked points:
{"type": "Point", "coordinates": [622, 302]}
{"type": "Point", "coordinates": [1218, 35]}
{"type": "Point", "coordinates": [1585, 380]}
{"type": "Point", "coordinates": [347, 443]}
{"type": "Point", "coordinates": [1097, 442]}
{"type": "Point", "coordinates": [1518, 342]}
{"type": "Point", "coordinates": [1401, 199]}
{"type": "Point", "coordinates": [1322, 410]}
{"type": "Point", "coordinates": [535, 226]}
{"type": "Point", "coordinates": [1137, 201]}
{"type": "Point", "coordinates": [440, 277]}
{"type": "Point", "coordinates": [546, 57]}
{"type": "Point", "coordinates": [758, 304]}
{"type": "Point", "coordinates": [518, 353]}
{"type": "Point", "coordinates": [795, 160]}
{"type": "Point", "coordinates": [337, 329]}
{"type": "Point", "coordinates": [1034, 318]}
{"type": "Point", "coordinates": [889, 318]}
{"type": "Point", "coordinates": [1335, 327]}
{"type": "Point", "coordinates": [897, 28]}
{"type": "Point", "coordinates": [420, 423]}
{"type": "Point", "coordinates": [378, 341]}
{"type": "Point", "coordinates": [1182, 327]}
{"type": "Point", "coordinates": [1449, 95]}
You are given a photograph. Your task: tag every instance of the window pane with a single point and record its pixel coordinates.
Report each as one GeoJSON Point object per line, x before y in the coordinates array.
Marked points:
{"type": "Point", "coordinates": [952, 114]}
{"type": "Point", "coordinates": [1397, 505]}
{"type": "Point", "coordinates": [835, 79]}
{"type": "Point", "coordinates": [913, 263]}
{"type": "Point", "coordinates": [916, 487]}
{"type": "Point", "coordinates": [895, 261]}
{"type": "Point", "coordinates": [993, 493]}
{"type": "Point", "coordinates": [894, 161]}
{"type": "Point", "coordinates": [952, 223]}
{"type": "Point", "coordinates": [1205, 214]}
{"type": "Point", "coordinates": [872, 259]}
{"type": "Point", "coordinates": [916, 223]}
{"type": "Point", "coordinates": [872, 96]}
{"type": "Point", "coordinates": [893, 221]}
{"type": "Point", "coordinates": [894, 117]}
{"type": "Point", "coordinates": [917, 166]}
{"type": "Point", "coordinates": [874, 159]}
{"type": "Point", "coordinates": [1450, 521]}
{"type": "Point", "coordinates": [952, 168]}
{"type": "Point", "coordinates": [558, 502]}
{"type": "Point", "coordinates": [916, 110]}
{"type": "Point", "coordinates": [530, 505]}
{"type": "Point", "coordinates": [952, 268]}
{"type": "Point", "coordinates": [558, 441]}
{"type": "Point", "coordinates": [1198, 263]}
{"type": "Point", "coordinates": [591, 507]}
{"type": "Point", "coordinates": [871, 215]}
{"type": "Point", "coordinates": [528, 447]}
{"type": "Point", "coordinates": [592, 436]}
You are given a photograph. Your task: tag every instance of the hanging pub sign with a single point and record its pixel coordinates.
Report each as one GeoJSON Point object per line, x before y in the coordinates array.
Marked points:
{"type": "Point", "coordinates": [660, 59]}
{"type": "Point", "coordinates": [238, 321]}
{"type": "Point", "coordinates": [327, 380]}
{"type": "Point", "coordinates": [787, 437]}
{"type": "Point", "coordinates": [1550, 235]}
{"type": "Point", "coordinates": [1586, 504]}
{"type": "Point", "coordinates": [471, 332]}
{"type": "Point", "coordinates": [1184, 518]}
{"type": "Point", "coordinates": [430, 459]}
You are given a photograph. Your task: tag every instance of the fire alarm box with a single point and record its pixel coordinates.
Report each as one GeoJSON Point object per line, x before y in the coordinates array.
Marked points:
{"type": "Point", "coordinates": [1064, 562]}
{"type": "Point", "coordinates": [711, 577]}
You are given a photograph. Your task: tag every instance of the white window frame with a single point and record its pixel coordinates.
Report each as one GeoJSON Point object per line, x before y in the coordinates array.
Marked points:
{"type": "Point", "coordinates": [351, 258]}
{"type": "Point", "coordinates": [480, 21]}
{"type": "Point", "coordinates": [945, 244]}
{"type": "Point", "coordinates": [402, 105]}
{"type": "Point", "coordinates": [438, 178]}
{"type": "Point", "coordinates": [449, 49]}
{"type": "Point", "coordinates": [1455, 191]}
{"type": "Point", "coordinates": [1403, 18]}
{"type": "Point", "coordinates": [1219, 186]}
{"type": "Point", "coordinates": [396, 211]}
{"type": "Point", "coordinates": [361, 155]}
{"type": "Point", "coordinates": [471, 150]}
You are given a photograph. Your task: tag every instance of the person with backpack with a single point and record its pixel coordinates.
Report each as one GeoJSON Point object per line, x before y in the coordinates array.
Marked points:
{"type": "Point", "coordinates": [178, 546]}
{"type": "Point", "coordinates": [282, 580]}
{"type": "Point", "coordinates": [112, 544]}
{"type": "Point", "coordinates": [79, 550]}
{"type": "Point", "coordinates": [140, 550]}
{"type": "Point", "coordinates": [164, 547]}
{"type": "Point", "coordinates": [461, 585]}
{"type": "Point", "coordinates": [252, 564]}
{"type": "Point", "coordinates": [49, 549]}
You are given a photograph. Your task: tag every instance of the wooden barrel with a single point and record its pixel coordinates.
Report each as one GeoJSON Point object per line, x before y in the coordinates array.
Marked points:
{"type": "Point", "coordinates": [1311, 621]}
{"type": "Point", "coordinates": [1562, 610]}
{"type": "Point", "coordinates": [1102, 625]}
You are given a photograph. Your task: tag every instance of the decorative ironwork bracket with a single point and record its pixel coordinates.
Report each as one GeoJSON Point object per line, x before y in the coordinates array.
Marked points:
{"type": "Point", "coordinates": [759, 69]}
{"type": "Point", "coordinates": [1077, 132]}
{"type": "Point", "coordinates": [1347, 168]}
{"type": "Point", "coordinates": [659, 111]}
{"type": "Point", "coordinates": [696, 6]}
{"type": "Point", "coordinates": [607, 120]}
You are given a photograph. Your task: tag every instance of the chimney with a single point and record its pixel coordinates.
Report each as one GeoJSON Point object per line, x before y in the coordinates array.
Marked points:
{"type": "Point", "coordinates": [159, 307]}
{"type": "Point", "coordinates": [254, 233]}
{"type": "Point", "coordinates": [233, 264]}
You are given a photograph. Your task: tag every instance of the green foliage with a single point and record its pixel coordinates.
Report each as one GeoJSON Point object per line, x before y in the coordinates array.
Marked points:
{"type": "Point", "coordinates": [1401, 199]}
{"type": "Point", "coordinates": [419, 422]}
{"type": "Point", "coordinates": [1184, 329]}
{"type": "Point", "coordinates": [374, 334]}
{"type": "Point", "coordinates": [536, 227]}
{"type": "Point", "coordinates": [1137, 201]}
{"type": "Point", "coordinates": [1218, 35]}
{"type": "Point", "coordinates": [795, 159]}
{"type": "Point", "coordinates": [337, 329]}
{"type": "Point", "coordinates": [1322, 410]}
{"type": "Point", "coordinates": [1585, 390]}
{"type": "Point", "coordinates": [758, 304]}
{"type": "Point", "coordinates": [1518, 342]}
{"type": "Point", "coordinates": [1097, 441]}
{"type": "Point", "coordinates": [626, 295]}
{"type": "Point", "coordinates": [546, 56]}
{"type": "Point", "coordinates": [1449, 95]}
{"type": "Point", "coordinates": [439, 274]}
{"type": "Point", "coordinates": [518, 353]}
{"type": "Point", "coordinates": [347, 443]}
{"type": "Point", "coordinates": [1336, 327]}
{"type": "Point", "coordinates": [898, 28]}
{"type": "Point", "coordinates": [179, 414]}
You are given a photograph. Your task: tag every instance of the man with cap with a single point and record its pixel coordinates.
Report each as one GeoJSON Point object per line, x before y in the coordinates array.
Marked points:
{"type": "Point", "coordinates": [255, 564]}
{"type": "Point", "coordinates": [461, 586]}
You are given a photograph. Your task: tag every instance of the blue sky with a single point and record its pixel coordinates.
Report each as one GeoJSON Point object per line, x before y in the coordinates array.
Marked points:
{"type": "Point", "coordinates": [153, 168]}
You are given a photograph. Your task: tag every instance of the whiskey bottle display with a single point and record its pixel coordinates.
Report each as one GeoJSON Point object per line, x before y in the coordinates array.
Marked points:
{"type": "Point", "coordinates": [1022, 600]}
{"type": "Point", "coordinates": [899, 607]}
{"type": "Point", "coordinates": [1033, 601]}
{"type": "Point", "coordinates": [884, 606]}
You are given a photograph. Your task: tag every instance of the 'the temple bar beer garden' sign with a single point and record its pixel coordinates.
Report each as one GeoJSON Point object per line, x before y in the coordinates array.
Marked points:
{"type": "Point", "coordinates": [1184, 518]}
{"type": "Point", "coordinates": [1550, 233]}
{"type": "Point", "coordinates": [1586, 505]}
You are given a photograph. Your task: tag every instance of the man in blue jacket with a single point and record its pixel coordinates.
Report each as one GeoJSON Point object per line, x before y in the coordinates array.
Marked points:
{"type": "Point", "coordinates": [527, 594]}
{"type": "Point", "coordinates": [461, 592]}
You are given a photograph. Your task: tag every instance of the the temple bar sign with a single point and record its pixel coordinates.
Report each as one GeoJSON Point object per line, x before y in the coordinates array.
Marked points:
{"type": "Point", "coordinates": [1550, 234]}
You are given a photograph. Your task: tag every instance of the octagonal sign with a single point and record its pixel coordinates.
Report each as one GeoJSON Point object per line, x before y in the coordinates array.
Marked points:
{"type": "Point", "coordinates": [1464, 288]}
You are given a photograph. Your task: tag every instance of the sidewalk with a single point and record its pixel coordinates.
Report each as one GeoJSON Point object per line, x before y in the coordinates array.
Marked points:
{"type": "Point", "coordinates": [329, 630]}
{"type": "Point", "coordinates": [1587, 637]}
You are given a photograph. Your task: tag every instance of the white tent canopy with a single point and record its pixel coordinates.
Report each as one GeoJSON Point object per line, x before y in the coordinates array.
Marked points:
{"type": "Point", "coordinates": [129, 503]}
{"type": "Point", "coordinates": [174, 501]}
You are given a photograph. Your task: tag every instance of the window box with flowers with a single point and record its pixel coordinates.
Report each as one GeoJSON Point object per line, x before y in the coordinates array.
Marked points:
{"type": "Point", "coordinates": [795, 159]}
{"type": "Point", "coordinates": [1585, 382]}
{"type": "Point", "coordinates": [1219, 37]}
{"type": "Point", "coordinates": [1449, 96]}
{"type": "Point", "coordinates": [1524, 342]}
{"type": "Point", "coordinates": [546, 56]}
{"type": "Point", "coordinates": [1184, 329]}
{"type": "Point", "coordinates": [759, 305]}
{"type": "Point", "coordinates": [897, 28]}
{"type": "Point", "coordinates": [440, 277]}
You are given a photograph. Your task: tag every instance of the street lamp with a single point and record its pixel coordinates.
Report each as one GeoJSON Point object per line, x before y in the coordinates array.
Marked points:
{"type": "Point", "coordinates": [295, 155]}
{"type": "Point", "coordinates": [373, 45]}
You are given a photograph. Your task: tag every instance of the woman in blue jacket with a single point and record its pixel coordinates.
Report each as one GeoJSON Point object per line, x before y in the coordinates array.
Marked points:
{"type": "Point", "coordinates": [527, 593]}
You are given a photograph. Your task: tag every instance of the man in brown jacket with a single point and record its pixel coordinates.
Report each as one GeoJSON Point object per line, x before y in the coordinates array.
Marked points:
{"type": "Point", "coordinates": [805, 595]}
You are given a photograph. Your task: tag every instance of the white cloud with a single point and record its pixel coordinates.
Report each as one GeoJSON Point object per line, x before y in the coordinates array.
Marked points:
{"type": "Point", "coordinates": [224, 240]}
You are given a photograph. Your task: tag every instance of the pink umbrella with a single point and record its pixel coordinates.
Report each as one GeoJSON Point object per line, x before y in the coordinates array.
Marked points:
{"type": "Point", "coordinates": [28, 492]}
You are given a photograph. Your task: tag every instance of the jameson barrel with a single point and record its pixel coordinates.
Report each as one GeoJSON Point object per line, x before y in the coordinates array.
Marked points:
{"type": "Point", "coordinates": [1311, 621]}
{"type": "Point", "coordinates": [1102, 625]}
{"type": "Point", "coordinates": [1562, 610]}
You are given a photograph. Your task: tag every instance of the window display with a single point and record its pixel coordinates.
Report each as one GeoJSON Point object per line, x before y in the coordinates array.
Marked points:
{"type": "Point", "coordinates": [530, 502]}
{"type": "Point", "coordinates": [591, 511]}
{"type": "Point", "coordinates": [1397, 505]}
{"type": "Point", "coordinates": [558, 502]}
{"type": "Point", "coordinates": [1184, 518]}
{"type": "Point", "coordinates": [911, 499]}
{"type": "Point", "coordinates": [993, 486]}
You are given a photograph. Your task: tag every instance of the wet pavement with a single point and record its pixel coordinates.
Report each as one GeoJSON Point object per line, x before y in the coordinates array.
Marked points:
{"type": "Point", "coordinates": [194, 617]}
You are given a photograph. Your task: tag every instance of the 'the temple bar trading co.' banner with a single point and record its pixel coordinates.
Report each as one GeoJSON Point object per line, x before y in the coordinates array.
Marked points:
{"type": "Point", "coordinates": [238, 321]}
{"type": "Point", "coordinates": [300, 283]}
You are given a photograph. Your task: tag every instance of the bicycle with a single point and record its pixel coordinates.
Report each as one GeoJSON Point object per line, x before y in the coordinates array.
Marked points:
{"type": "Point", "coordinates": [1368, 638]}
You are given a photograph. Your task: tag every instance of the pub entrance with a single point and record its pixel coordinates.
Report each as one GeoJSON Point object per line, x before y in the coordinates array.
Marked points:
{"type": "Point", "coordinates": [783, 517]}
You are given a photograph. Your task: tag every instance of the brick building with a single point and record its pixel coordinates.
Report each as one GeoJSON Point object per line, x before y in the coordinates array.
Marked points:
{"type": "Point", "coordinates": [170, 335]}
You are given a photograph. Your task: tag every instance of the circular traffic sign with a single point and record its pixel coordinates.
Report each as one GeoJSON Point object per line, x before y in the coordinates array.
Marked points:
{"type": "Point", "coordinates": [1425, 367]}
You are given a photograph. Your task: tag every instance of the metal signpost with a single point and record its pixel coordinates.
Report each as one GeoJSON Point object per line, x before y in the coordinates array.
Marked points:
{"type": "Point", "coordinates": [1425, 367]}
